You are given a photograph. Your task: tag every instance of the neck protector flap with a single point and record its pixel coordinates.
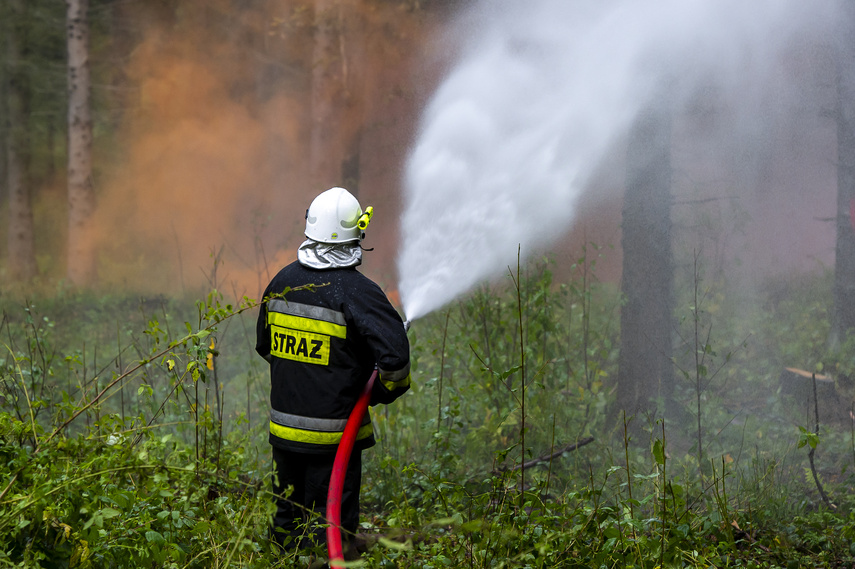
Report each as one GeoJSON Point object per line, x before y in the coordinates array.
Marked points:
{"type": "Point", "coordinates": [317, 255]}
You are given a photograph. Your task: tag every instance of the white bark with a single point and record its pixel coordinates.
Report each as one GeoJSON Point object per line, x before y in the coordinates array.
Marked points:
{"type": "Point", "coordinates": [81, 194]}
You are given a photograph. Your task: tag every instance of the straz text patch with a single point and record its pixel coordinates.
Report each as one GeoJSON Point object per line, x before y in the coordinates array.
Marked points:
{"type": "Point", "coordinates": [299, 345]}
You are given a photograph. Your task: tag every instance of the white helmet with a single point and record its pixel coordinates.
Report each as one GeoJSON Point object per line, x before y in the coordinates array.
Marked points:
{"type": "Point", "coordinates": [334, 217]}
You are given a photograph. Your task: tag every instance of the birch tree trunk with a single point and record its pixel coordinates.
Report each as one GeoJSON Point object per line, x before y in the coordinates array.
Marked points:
{"type": "Point", "coordinates": [20, 237]}
{"type": "Point", "coordinates": [81, 195]}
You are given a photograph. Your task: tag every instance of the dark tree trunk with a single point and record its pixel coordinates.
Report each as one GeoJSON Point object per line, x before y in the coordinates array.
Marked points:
{"type": "Point", "coordinates": [334, 153]}
{"type": "Point", "coordinates": [21, 235]}
{"type": "Point", "coordinates": [645, 369]}
{"type": "Point", "coordinates": [843, 319]}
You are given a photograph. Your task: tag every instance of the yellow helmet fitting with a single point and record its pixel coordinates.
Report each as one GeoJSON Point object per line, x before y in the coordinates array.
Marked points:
{"type": "Point", "coordinates": [365, 218]}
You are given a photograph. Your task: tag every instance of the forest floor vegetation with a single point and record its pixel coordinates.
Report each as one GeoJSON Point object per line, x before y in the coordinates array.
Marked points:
{"type": "Point", "coordinates": [133, 434]}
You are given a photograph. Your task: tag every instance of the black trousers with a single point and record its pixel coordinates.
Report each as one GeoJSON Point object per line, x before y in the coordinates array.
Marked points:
{"type": "Point", "coordinates": [295, 524]}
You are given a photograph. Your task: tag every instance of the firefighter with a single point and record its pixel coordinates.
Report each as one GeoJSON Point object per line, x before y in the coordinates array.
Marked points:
{"type": "Point", "coordinates": [323, 344]}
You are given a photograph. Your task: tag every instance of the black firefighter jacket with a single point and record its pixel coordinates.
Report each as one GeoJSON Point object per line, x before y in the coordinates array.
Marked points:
{"type": "Point", "coordinates": [322, 346]}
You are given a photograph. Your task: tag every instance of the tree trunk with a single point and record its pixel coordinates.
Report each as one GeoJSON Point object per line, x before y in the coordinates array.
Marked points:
{"type": "Point", "coordinates": [645, 370]}
{"type": "Point", "coordinates": [336, 96]}
{"type": "Point", "coordinates": [843, 318]}
{"type": "Point", "coordinates": [21, 242]}
{"type": "Point", "coordinates": [81, 195]}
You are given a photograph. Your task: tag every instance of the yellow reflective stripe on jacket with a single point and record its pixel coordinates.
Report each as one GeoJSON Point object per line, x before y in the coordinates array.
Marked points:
{"type": "Point", "coordinates": [397, 379]}
{"type": "Point", "coordinates": [316, 437]}
{"type": "Point", "coordinates": [306, 317]}
{"type": "Point", "coordinates": [393, 385]}
{"type": "Point", "coordinates": [306, 324]}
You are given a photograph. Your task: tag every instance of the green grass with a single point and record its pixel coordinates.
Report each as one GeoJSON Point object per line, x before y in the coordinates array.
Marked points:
{"type": "Point", "coordinates": [133, 434]}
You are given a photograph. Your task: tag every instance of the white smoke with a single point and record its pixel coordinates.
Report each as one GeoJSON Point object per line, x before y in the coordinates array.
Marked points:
{"type": "Point", "coordinates": [542, 92]}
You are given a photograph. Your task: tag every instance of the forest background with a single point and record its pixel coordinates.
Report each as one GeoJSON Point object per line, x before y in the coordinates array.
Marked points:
{"type": "Point", "coordinates": [546, 426]}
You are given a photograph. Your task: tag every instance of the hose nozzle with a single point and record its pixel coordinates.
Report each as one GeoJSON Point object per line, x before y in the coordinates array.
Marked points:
{"type": "Point", "coordinates": [407, 324]}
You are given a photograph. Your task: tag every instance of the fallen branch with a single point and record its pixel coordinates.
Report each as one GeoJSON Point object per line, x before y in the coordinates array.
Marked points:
{"type": "Point", "coordinates": [547, 457]}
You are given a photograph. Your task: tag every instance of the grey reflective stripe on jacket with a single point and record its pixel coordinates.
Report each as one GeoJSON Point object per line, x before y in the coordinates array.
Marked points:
{"type": "Point", "coordinates": [314, 430]}
{"type": "Point", "coordinates": [306, 311]}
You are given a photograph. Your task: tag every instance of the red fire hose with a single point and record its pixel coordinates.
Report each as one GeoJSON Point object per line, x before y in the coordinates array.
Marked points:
{"type": "Point", "coordinates": [342, 458]}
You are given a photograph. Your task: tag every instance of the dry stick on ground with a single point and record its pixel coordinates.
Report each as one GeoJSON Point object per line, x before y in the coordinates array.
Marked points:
{"type": "Point", "coordinates": [548, 457]}
{"type": "Point", "coordinates": [822, 493]}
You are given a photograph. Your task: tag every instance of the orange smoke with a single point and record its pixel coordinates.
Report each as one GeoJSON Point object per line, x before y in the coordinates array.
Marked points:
{"type": "Point", "coordinates": [212, 180]}
{"type": "Point", "coordinates": [190, 203]}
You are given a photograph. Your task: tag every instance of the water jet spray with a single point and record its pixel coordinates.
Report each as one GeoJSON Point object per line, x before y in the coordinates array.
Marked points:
{"type": "Point", "coordinates": [539, 104]}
